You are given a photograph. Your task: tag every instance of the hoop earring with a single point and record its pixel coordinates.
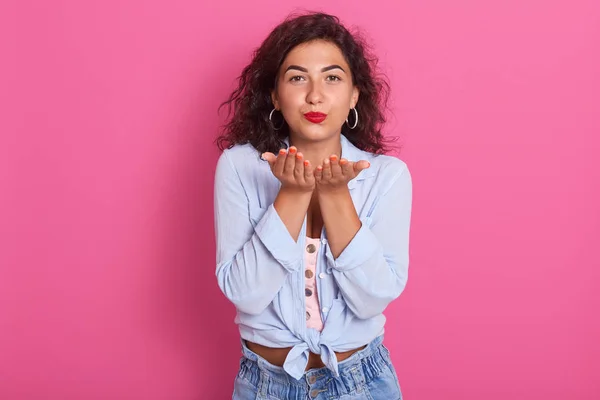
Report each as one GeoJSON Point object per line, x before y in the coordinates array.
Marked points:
{"type": "Point", "coordinates": [355, 119]}
{"type": "Point", "coordinates": [271, 119]}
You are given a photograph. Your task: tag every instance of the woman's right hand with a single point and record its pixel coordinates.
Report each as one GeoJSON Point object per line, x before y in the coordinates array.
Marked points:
{"type": "Point", "coordinates": [294, 172]}
{"type": "Point", "coordinates": [297, 185]}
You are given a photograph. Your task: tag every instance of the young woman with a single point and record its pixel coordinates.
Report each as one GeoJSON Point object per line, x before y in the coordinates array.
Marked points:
{"type": "Point", "coordinates": [312, 220]}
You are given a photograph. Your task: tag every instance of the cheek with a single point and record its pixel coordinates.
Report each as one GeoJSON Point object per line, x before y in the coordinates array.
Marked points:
{"type": "Point", "coordinates": [291, 96]}
{"type": "Point", "coordinates": [341, 97]}
{"type": "Point", "coordinates": [341, 107]}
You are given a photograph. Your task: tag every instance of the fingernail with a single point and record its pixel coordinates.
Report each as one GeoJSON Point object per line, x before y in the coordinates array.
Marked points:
{"type": "Point", "coordinates": [262, 156]}
{"type": "Point", "coordinates": [282, 151]}
{"type": "Point", "coordinates": [292, 150]}
{"type": "Point", "coordinates": [333, 158]}
{"type": "Point", "coordinates": [306, 163]}
{"type": "Point", "coordinates": [298, 156]}
{"type": "Point", "coordinates": [343, 161]}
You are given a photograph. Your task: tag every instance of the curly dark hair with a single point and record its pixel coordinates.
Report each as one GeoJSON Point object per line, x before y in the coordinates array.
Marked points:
{"type": "Point", "coordinates": [251, 100]}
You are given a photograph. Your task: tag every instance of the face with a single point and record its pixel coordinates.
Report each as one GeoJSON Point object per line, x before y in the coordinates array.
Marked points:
{"type": "Point", "coordinates": [315, 91]}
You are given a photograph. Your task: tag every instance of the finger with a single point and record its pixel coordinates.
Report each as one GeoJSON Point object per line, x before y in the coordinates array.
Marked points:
{"type": "Point", "coordinates": [336, 169]}
{"type": "Point", "coordinates": [299, 167]}
{"type": "Point", "coordinates": [319, 174]}
{"type": "Point", "coordinates": [308, 171]}
{"type": "Point", "coordinates": [280, 162]}
{"type": "Point", "coordinates": [290, 161]}
{"type": "Point", "coordinates": [360, 165]}
{"type": "Point", "coordinates": [269, 157]}
{"type": "Point", "coordinates": [347, 168]}
{"type": "Point", "coordinates": [326, 169]}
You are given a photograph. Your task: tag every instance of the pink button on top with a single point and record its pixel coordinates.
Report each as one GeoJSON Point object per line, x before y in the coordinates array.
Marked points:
{"type": "Point", "coordinates": [313, 313]}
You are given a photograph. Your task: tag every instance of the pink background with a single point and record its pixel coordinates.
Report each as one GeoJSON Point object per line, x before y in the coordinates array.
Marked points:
{"type": "Point", "coordinates": [107, 287]}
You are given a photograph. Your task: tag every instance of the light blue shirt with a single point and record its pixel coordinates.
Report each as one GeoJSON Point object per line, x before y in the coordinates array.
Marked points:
{"type": "Point", "coordinates": [260, 267]}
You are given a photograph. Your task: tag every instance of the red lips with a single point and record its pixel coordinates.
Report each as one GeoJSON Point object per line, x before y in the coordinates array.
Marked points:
{"type": "Point", "coordinates": [315, 117]}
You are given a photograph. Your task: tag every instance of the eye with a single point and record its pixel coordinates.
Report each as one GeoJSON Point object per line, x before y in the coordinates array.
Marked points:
{"type": "Point", "coordinates": [296, 78]}
{"type": "Point", "coordinates": [333, 78]}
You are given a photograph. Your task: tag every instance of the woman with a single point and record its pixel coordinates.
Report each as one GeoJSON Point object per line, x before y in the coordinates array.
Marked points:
{"type": "Point", "coordinates": [312, 220]}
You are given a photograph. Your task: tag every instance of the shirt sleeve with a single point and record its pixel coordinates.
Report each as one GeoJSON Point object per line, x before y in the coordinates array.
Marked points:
{"type": "Point", "coordinates": [373, 268]}
{"type": "Point", "coordinates": [253, 260]}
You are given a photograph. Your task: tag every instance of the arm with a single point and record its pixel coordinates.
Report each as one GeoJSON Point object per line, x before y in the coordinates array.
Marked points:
{"type": "Point", "coordinates": [370, 260]}
{"type": "Point", "coordinates": [340, 219]}
{"type": "Point", "coordinates": [291, 208]}
{"type": "Point", "coordinates": [252, 262]}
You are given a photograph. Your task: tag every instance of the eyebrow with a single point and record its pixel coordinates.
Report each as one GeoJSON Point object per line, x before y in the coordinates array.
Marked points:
{"type": "Point", "coordinates": [302, 69]}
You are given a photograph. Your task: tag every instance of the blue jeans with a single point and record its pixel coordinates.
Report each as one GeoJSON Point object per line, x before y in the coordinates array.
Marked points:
{"type": "Point", "coordinates": [366, 375]}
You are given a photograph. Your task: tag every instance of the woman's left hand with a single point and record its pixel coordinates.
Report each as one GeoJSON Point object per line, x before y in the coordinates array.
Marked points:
{"type": "Point", "coordinates": [334, 174]}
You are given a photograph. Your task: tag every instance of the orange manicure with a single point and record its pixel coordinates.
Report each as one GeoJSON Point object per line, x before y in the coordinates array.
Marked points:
{"type": "Point", "coordinates": [306, 163]}
{"type": "Point", "coordinates": [282, 151]}
{"type": "Point", "coordinates": [292, 150]}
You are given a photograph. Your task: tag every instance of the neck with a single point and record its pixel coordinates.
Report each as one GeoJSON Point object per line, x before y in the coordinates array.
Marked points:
{"type": "Point", "coordinates": [317, 151]}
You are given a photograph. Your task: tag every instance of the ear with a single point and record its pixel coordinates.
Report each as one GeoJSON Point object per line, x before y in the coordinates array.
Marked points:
{"type": "Point", "coordinates": [354, 98]}
{"type": "Point", "coordinates": [274, 99]}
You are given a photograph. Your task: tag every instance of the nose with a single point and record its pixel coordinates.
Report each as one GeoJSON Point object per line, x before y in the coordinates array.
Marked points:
{"type": "Point", "coordinates": [315, 94]}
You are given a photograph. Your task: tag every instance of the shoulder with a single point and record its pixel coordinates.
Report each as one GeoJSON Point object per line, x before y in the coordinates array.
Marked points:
{"type": "Point", "coordinates": [389, 165]}
{"type": "Point", "coordinates": [241, 166]}
{"type": "Point", "coordinates": [385, 167]}
{"type": "Point", "coordinates": [240, 157]}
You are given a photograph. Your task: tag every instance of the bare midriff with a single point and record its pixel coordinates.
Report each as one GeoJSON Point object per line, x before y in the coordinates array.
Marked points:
{"type": "Point", "coordinates": [277, 356]}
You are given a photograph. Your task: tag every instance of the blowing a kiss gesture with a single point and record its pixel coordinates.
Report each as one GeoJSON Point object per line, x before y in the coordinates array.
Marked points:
{"type": "Point", "coordinates": [294, 172]}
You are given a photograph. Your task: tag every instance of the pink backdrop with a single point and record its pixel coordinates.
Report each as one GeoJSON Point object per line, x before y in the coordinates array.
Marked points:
{"type": "Point", "coordinates": [107, 287]}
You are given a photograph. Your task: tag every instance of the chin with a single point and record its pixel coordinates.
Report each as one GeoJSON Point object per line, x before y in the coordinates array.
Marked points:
{"type": "Point", "coordinates": [317, 132]}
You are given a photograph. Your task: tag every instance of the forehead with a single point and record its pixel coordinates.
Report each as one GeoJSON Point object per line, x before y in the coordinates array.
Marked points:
{"type": "Point", "coordinates": [315, 53]}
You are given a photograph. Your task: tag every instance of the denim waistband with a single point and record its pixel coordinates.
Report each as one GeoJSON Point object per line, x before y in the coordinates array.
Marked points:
{"type": "Point", "coordinates": [354, 372]}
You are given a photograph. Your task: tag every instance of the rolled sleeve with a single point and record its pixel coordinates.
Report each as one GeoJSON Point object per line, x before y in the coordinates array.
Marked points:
{"type": "Point", "coordinates": [363, 246]}
{"type": "Point", "coordinates": [276, 238]}
{"type": "Point", "coordinates": [254, 255]}
{"type": "Point", "coordinates": [372, 270]}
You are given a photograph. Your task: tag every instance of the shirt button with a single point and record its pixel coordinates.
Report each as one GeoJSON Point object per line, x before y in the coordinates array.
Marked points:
{"type": "Point", "coordinates": [311, 248]}
{"type": "Point", "coordinates": [314, 393]}
{"type": "Point", "coordinates": [324, 241]}
{"type": "Point", "coordinates": [308, 292]}
{"type": "Point", "coordinates": [325, 309]}
{"type": "Point", "coordinates": [321, 275]}
{"type": "Point", "coordinates": [308, 274]}
{"type": "Point", "coordinates": [312, 379]}
{"type": "Point", "coordinates": [307, 315]}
